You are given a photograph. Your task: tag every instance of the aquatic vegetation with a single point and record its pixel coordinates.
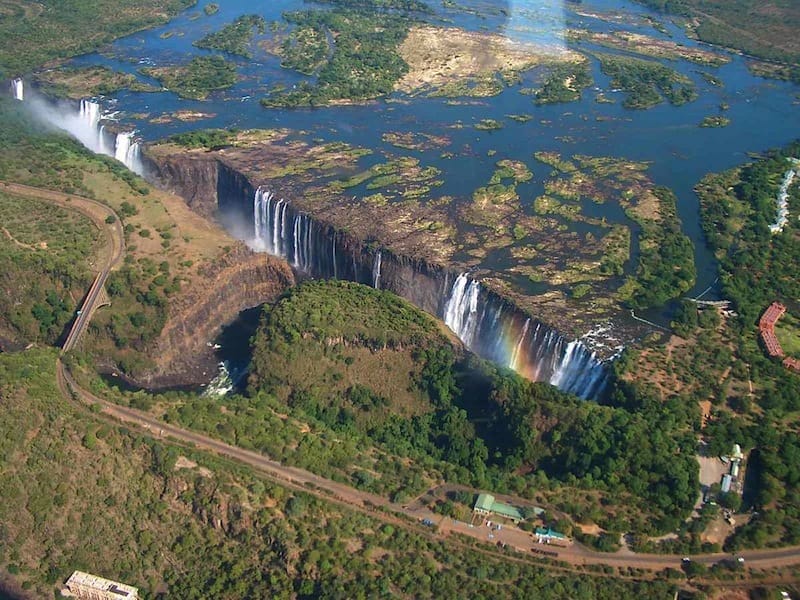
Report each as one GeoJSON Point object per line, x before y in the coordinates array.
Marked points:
{"type": "Point", "coordinates": [411, 140]}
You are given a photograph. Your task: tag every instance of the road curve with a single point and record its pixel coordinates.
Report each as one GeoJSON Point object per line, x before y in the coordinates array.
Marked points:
{"type": "Point", "coordinates": [98, 213]}
{"type": "Point", "coordinates": [332, 490]}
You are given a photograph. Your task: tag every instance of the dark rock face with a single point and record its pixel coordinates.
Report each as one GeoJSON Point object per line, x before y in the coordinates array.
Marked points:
{"type": "Point", "coordinates": [242, 279]}
{"type": "Point", "coordinates": [488, 324]}
{"type": "Point", "coordinates": [194, 180]}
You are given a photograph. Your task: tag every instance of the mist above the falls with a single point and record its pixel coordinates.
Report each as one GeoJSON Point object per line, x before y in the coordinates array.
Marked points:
{"type": "Point", "coordinates": [88, 124]}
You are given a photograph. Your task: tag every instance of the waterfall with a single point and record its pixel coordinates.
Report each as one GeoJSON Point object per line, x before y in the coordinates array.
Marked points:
{"type": "Point", "coordinates": [482, 320]}
{"type": "Point", "coordinates": [88, 124]}
{"type": "Point", "coordinates": [376, 271]}
{"type": "Point", "coordinates": [90, 113]}
{"type": "Point", "coordinates": [126, 150]}
{"type": "Point", "coordinates": [529, 347]}
{"type": "Point", "coordinates": [280, 231]}
{"type": "Point", "coordinates": [122, 145]}
{"type": "Point", "coordinates": [18, 89]}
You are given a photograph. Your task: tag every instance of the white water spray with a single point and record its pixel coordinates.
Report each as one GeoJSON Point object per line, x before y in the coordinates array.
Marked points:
{"type": "Point", "coordinates": [376, 271]}
{"type": "Point", "coordinates": [88, 125]}
{"type": "Point", "coordinates": [18, 89]}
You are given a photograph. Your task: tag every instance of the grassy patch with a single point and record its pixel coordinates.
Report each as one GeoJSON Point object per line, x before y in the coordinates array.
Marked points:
{"type": "Point", "coordinates": [788, 334]}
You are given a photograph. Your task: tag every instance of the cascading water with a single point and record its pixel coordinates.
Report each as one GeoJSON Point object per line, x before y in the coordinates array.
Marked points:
{"type": "Point", "coordinates": [18, 89]}
{"type": "Point", "coordinates": [127, 151]}
{"type": "Point", "coordinates": [376, 271]}
{"type": "Point", "coordinates": [89, 126]}
{"type": "Point", "coordinates": [483, 321]}
{"type": "Point", "coordinates": [531, 348]}
{"type": "Point", "coordinates": [280, 233]}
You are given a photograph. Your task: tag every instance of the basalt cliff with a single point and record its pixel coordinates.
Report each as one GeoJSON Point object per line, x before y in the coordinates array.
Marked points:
{"type": "Point", "coordinates": [327, 240]}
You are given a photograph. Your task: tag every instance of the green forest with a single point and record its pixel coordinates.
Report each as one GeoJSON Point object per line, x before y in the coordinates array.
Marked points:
{"type": "Point", "coordinates": [770, 25]}
{"type": "Point", "coordinates": [73, 481]}
{"type": "Point", "coordinates": [32, 33]}
{"type": "Point", "coordinates": [475, 423]}
{"type": "Point", "coordinates": [44, 252]}
{"type": "Point", "coordinates": [666, 256]}
{"type": "Point", "coordinates": [757, 268]}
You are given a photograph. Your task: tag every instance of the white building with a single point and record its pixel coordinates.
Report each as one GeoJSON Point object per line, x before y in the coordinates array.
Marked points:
{"type": "Point", "coordinates": [91, 587]}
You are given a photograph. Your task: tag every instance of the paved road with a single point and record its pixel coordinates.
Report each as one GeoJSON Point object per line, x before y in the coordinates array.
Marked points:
{"type": "Point", "coordinates": [98, 213]}
{"type": "Point", "coordinates": [378, 506]}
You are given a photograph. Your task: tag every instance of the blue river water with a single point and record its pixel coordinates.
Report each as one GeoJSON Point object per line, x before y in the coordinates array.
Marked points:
{"type": "Point", "coordinates": [763, 113]}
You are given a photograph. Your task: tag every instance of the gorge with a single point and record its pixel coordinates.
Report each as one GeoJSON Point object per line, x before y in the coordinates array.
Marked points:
{"type": "Point", "coordinates": [487, 324]}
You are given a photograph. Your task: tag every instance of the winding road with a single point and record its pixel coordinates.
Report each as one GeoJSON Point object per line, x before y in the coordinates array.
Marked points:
{"type": "Point", "coordinates": [376, 506]}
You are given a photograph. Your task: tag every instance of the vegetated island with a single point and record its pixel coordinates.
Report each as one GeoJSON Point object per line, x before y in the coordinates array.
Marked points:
{"type": "Point", "coordinates": [236, 37]}
{"type": "Point", "coordinates": [82, 82]}
{"type": "Point", "coordinates": [451, 62]}
{"type": "Point", "coordinates": [646, 83]}
{"type": "Point", "coordinates": [714, 121]}
{"type": "Point", "coordinates": [649, 46]}
{"type": "Point", "coordinates": [197, 79]}
{"type": "Point", "coordinates": [353, 62]}
{"type": "Point", "coordinates": [562, 83]}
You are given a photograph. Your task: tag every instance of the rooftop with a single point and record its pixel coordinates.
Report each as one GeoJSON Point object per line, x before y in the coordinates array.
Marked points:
{"type": "Point", "coordinates": [102, 584]}
{"type": "Point", "coordinates": [550, 533]}
{"type": "Point", "coordinates": [487, 503]}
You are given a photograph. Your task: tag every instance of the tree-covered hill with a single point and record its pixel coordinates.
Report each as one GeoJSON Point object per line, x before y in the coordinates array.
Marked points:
{"type": "Point", "coordinates": [77, 492]}
{"type": "Point", "coordinates": [331, 353]}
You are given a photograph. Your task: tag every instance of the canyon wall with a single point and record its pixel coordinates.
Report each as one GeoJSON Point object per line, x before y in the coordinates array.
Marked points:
{"type": "Point", "coordinates": [241, 279]}
{"type": "Point", "coordinates": [488, 324]}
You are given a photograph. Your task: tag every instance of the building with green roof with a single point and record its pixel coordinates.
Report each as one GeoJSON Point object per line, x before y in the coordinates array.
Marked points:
{"type": "Point", "coordinates": [547, 534]}
{"type": "Point", "coordinates": [486, 505]}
